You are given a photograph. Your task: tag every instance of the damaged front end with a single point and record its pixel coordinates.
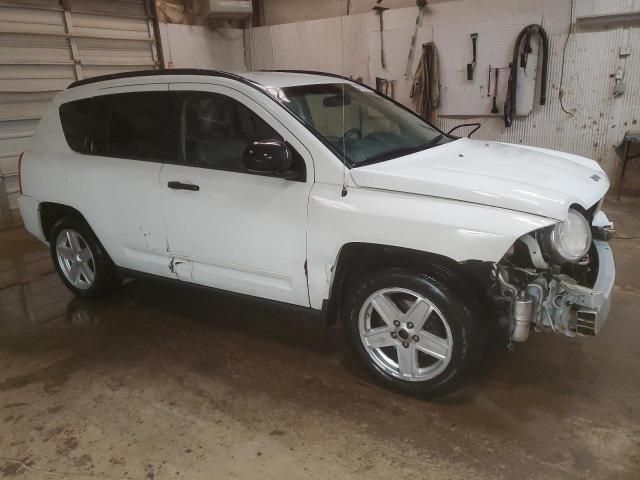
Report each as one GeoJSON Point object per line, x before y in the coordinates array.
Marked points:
{"type": "Point", "coordinates": [559, 278]}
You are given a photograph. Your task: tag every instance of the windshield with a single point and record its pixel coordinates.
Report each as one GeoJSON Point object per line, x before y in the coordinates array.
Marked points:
{"type": "Point", "coordinates": [361, 125]}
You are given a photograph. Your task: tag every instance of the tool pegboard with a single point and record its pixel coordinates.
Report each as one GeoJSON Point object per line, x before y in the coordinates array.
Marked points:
{"type": "Point", "coordinates": [495, 42]}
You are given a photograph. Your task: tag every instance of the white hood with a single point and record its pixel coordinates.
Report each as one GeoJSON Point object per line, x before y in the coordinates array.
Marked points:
{"type": "Point", "coordinates": [527, 179]}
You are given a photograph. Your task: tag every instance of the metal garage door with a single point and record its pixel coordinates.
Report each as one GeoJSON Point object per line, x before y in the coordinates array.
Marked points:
{"type": "Point", "coordinates": [47, 44]}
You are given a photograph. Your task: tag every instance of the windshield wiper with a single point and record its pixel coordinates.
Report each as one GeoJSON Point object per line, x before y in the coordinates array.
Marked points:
{"type": "Point", "coordinates": [399, 152]}
{"type": "Point", "coordinates": [434, 141]}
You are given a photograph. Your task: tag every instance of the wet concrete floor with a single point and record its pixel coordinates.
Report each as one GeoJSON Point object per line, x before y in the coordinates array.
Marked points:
{"type": "Point", "coordinates": [171, 382]}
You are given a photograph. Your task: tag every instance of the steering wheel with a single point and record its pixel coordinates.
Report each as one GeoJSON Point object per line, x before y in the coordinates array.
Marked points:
{"type": "Point", "coordinates": [351, 132]}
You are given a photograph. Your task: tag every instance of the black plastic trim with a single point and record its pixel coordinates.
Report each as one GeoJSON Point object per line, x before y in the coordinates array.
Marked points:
{"type": "Point", "coordinates": [125, 273]}
{"type": "Point", "coordinates": [155, 73]}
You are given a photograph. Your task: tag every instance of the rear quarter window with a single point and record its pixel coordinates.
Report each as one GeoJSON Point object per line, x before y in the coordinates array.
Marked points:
{"type": "Point", "coordinates": [136, 125]}
{"type": "Point", "coordinates": [76, 120]}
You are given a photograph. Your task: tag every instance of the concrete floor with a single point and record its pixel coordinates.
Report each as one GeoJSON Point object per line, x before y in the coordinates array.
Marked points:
{"type": "Point", "coordinates": [164, 382]}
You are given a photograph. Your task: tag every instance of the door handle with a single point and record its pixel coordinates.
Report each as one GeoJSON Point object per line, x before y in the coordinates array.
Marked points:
{"type": "Point", "coordinates": [183, 186]}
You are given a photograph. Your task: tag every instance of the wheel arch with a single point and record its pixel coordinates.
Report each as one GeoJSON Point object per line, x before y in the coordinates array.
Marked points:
{"type": "Point", "coordinates": [51, 212]}
{"type": "Point", "coordinates": [356, 258]}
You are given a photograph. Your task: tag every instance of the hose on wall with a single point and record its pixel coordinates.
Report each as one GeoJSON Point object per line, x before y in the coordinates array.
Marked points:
{"type": "Point", "coordinates": [525, 34]}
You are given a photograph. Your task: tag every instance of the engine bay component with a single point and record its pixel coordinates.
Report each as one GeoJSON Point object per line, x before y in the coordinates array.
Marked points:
{"type": "Point", "coordinates": [535, 252]}
{"type": "Point", "coordinates": [522, 317]}
{"type": "Point", "coordinates": [563, 285]}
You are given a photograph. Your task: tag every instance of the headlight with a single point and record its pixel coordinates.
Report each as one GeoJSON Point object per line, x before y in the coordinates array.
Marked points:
{"type": "Point", "coordinates": [568, 241]}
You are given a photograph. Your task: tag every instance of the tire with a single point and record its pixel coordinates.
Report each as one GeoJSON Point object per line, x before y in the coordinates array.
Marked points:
{"type": "Point", "coordinates": [80, 260]}
{"type": "Point", "coordinates": [427, 360]}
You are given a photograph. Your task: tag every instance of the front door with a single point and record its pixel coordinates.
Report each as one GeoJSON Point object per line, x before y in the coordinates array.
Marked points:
{"type": "Point", "coordinates": [229, 228]}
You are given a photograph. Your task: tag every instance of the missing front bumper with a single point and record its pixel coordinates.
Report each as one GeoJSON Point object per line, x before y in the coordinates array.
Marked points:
{"type": "Point", "coordinates": [561, 304]}
{"type": "Point", "coordinates": [594, 304]}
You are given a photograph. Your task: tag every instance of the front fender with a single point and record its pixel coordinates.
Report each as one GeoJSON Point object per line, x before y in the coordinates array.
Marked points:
{"type": "Point", "coordinates": [450, 228]}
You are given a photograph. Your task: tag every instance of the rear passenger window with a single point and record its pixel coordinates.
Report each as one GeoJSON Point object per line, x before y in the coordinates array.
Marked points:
{"type": "Point", "coordinates": [216, 129]}
{"type": "Point", "coordinates": [76, 119]}
{"type": "Point", "coordinates": [136, 125]}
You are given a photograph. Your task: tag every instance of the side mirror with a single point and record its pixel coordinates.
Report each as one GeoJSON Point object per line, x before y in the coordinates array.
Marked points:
{"type": "Point", "coordinates": [267, 156]}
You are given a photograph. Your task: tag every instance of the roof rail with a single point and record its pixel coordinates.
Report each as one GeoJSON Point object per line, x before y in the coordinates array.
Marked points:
{"type": "Point", "coordinates": [190, 71]}
{"type": "Point", "coordinates": [151, 73]}
{"type": "Point", "coordinates": [315, 72]}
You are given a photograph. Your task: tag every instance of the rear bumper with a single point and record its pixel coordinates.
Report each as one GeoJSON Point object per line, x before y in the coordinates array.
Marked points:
{"type": "Point", "coordinates": [30, 211]}
{"type": "Point", "coordinates": [594, 304]}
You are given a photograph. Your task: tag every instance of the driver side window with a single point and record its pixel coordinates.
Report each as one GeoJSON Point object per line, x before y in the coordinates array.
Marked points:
{"type": "Point", "coordinates": [215, 130]}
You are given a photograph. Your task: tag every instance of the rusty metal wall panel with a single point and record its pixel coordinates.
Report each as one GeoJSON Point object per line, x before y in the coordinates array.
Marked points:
{"type": "Point", "coordinates": [43, 48]}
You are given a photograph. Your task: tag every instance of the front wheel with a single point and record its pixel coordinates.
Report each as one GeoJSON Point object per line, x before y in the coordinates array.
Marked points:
{"type": "Point", "coordinates": [412, 331]}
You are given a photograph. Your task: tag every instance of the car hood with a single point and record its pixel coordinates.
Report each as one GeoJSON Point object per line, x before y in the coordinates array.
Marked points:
{"type": "Point", "coordinates": [516, 177]}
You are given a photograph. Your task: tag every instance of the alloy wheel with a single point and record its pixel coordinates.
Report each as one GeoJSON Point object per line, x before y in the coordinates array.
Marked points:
{"type": "Point", "coordinates": [75, 259]}
{"type": "Point", "coordinates": [405, 334]}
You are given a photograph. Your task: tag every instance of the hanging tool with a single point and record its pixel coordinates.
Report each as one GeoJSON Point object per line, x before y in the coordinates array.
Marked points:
{"type": "Point", "coordinates": [512, 87]}
{"type": "Point", "coordinates": [426, 82]}
{"type": "Point", "coordinates": [471, 66]}
{"type": "Point", "coordinates": [382, 85]}
{"type": "Point", "coordinates": [422, 7]}
{"type": "Point", "coordinates": [494, 109]}
{"type": "Point", "coordinates": [489, 84]}
{"type": "Point", "coordinates": [379, 9]}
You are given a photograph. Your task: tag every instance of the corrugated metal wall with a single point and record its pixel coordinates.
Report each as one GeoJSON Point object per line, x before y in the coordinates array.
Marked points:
{"type": "Point", "coordinates": [47, 44]}
{"type": "Point", "coordinates": [315, 45]}
{"type": "Point", "coordinates": [598, 120]}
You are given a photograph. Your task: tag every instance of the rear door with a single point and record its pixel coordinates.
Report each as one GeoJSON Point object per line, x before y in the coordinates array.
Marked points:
{"type": "Point", "coordinates": [239, 231]}
{"type": "Point", "coordinates": [114, 183]}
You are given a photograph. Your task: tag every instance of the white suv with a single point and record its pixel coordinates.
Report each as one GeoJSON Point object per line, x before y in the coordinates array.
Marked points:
{"type": "Point", "coordinates": [314, 190]}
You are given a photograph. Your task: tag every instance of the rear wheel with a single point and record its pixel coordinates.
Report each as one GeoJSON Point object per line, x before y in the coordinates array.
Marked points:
{"type": "Point", "coordinates": [83, 265]}
{"type": "Point", "coordinates": [412, 331]}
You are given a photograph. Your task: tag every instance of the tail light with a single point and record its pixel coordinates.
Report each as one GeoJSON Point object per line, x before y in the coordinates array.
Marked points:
{"type": "Point", "coordinates": [20, 171]}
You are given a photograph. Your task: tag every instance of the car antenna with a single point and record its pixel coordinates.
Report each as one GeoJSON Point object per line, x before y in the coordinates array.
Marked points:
{"type": "Point", "coordinates": [344, 146]}
{"type": "Point", "coordinates": [344, 143]}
